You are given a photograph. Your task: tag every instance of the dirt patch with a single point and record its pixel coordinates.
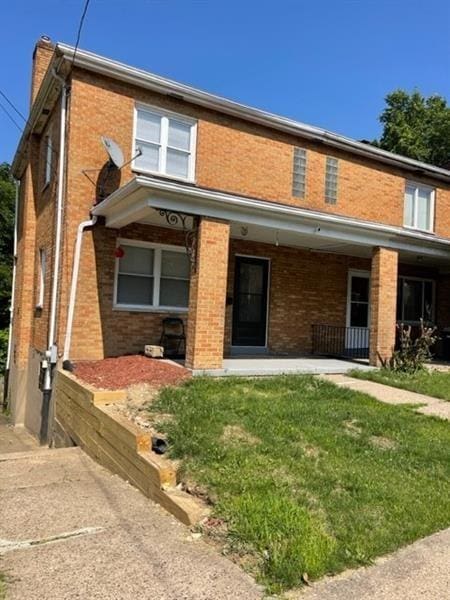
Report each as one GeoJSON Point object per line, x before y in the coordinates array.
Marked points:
{"type": "Point", "coordinates": [236, 434]}
{"type": "Point", "coordinates": [352, 428]}
{"type": "Point", "coordinates": [121, 372]}
{"type": "Point", "coordinates": [382, 442]}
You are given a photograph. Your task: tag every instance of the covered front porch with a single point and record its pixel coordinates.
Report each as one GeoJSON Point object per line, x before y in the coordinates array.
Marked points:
{"type": "Point", "coordinates": [271, 284]}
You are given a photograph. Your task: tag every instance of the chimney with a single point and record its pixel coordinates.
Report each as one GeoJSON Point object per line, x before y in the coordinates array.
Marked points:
{"type": "Point", "coordinates": [43, 52]}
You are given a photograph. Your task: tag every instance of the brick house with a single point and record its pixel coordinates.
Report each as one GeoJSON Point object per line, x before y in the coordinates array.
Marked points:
{"type": "Point", "coordinates": [263, 234]}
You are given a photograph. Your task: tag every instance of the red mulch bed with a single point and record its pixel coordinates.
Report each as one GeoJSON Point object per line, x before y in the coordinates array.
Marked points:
{"type": "Point", "coordinates": [119, 373]}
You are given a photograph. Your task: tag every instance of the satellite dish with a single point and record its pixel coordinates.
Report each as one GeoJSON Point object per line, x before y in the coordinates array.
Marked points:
{"type": "Point", "coordinates": [114, 151]}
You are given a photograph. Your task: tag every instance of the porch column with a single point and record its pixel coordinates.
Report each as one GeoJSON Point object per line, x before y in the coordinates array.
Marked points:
{"type": "Point", "coordinates": [383, 304]}
{"type": "Point", "coordinates": [207, 297]}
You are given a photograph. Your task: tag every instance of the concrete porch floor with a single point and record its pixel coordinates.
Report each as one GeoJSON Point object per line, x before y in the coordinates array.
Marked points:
{"type": "Point", "coordinates": [282, 365]}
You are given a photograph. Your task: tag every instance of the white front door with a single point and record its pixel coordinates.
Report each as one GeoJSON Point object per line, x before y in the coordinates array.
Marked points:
{"type": "Point", "coordinates": [358, 310]}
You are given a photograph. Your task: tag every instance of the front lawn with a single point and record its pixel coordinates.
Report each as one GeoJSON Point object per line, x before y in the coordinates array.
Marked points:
{"type": "Point", "coordinates": [430, 383]}
{"type": "Point", "coordinates": [307, 477]}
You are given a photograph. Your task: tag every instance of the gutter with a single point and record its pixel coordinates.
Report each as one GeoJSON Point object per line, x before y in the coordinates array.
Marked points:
{"type": "Point", "coordinates": [144, 79]}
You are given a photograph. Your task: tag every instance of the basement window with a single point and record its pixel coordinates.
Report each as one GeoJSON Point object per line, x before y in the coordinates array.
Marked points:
{"type": "Point", "coordinates": [419, 207]}
{"type": "Point", "coordinates": [151, 277]}
{"type": "Point", "coordinates": [167, 143]}
{"type": "Point", "coordinates": [331, 180]}
{"type": "Point", "coordinates": [299, 173]}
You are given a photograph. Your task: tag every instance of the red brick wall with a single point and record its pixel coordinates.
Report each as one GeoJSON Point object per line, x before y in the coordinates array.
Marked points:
{"type": "Point", "coordinates": [206, 323]}
{"type": "Point", "coordinates": [305, 288]}
{"type": "Point", "coordinates": [100, 330]}
{"type": "Point", "coordinates": [383, 304]}
{"type": "Point", "coordinates": [242, 158]}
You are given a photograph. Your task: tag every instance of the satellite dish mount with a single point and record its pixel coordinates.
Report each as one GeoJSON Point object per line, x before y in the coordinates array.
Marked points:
{"type": "Point", "coordinates": [115, 163]}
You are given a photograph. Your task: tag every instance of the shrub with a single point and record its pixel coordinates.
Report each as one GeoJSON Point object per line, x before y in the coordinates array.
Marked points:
{"type": "Point", "coordinates": [412, 354]}
{"type": "Point", "coordinates": [3, 349]}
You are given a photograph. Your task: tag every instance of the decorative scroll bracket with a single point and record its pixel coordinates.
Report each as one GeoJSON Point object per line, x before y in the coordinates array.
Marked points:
{"type": "Point", "coordinates": [190, 234]}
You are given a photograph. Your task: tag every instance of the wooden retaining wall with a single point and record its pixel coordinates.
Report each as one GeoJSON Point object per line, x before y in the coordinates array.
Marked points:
{"type": "Point", "coordinates": [85, 415]}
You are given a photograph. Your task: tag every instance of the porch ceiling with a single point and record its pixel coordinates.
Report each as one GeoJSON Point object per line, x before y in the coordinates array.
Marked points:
{"type": "Point", "coordinates": [141, 199]}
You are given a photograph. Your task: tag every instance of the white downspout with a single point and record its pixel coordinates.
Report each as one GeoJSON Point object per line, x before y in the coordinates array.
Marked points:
{"type": "Point", "coordinates": [13, 293]}
{"type": "Point", "coordinates": [73, 287]}
{"type": "Point", "coordinates": [51, 355]}
{"type": "Point", "coordinates": [59, 214]}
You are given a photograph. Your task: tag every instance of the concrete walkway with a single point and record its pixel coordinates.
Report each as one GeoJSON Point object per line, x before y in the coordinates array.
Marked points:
{"type": "Point", "coordinates": [420, 571]}
{"type": "Point", "coordinates": [69, 529]}
{"type": "Point", "coordinates": [427, 405]}
{"type": "Point", "coordinates": [14, 439]}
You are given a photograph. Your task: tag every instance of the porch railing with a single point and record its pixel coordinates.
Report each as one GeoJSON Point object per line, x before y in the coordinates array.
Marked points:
{"type": "Point", "coordinates": [335, 340]}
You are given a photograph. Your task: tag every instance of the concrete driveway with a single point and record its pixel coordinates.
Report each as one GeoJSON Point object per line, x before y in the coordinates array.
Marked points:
{"type": "Point", "coordinates": [69, 529]}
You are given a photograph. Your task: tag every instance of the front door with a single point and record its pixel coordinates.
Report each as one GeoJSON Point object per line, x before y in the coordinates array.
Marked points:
{"type": "Point", "coordinates": [358, 311]}
{"type": "Point", "coordinates": [250, 301]}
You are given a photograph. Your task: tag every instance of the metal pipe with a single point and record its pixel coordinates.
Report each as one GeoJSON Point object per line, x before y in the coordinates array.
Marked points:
{"type": "Point", "coordinates": [51, 355]}
{"type": "Point", "coordinates": [73, 287]}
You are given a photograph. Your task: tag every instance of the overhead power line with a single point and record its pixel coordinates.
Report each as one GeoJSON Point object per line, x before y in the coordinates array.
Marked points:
{"type": "Point", "coordinates": [10, 117]}
{"type": "Point", "coordinates": [12, 106]}
{"type": "Point", "coordinates": [80, 28]}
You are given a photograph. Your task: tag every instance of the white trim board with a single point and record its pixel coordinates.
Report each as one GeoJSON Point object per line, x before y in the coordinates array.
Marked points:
{"type": "Point", "coordinates": [142, 195]}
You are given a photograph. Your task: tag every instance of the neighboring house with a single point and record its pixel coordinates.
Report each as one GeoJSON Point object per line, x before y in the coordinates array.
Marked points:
{"type": "Point", "coordinates": [295, 239]}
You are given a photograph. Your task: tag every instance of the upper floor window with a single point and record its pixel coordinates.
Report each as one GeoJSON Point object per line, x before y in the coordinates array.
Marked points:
{"type": "Point", "coordinates": [331, 180]}
{"type": "Point", "coordinates": [299, 173]}
{"type": "Point", "coordinates": [419, 207]}
{"type": "Point", "coordinates": [167, 142]}
{"type": "Point", "coordinates": [48, 158]}
{"type": "Point", "coordinates": [152, 276]}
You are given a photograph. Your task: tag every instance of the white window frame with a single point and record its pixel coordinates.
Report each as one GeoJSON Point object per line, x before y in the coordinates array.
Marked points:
{"type": "Point", "coordinates": [427, 188]}
{"type": "Point", "coordinates": [433, 301]}
{"type": "Point", "coordinates": [165, 116]}
{"type": "Point", "coordinates": [155, 307]}
{"type": "Point", "coordinates": [42, 257]}
{"type": "Point", "coordinates": [48, 157]}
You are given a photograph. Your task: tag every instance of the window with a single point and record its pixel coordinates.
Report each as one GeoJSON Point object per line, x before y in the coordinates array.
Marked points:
{"type": "Point", "coordinates": [331, 180]}
{"type": "Point", "coordinates": [419, 207]}
{"type": "Point", "coordinates": [151, 276]}
{"type": "Point", "coordinates": [299, 173]}
{"type": "Point", "coordinates": [167, 143]}
{"type": "Point", "coordinates": [48, 158]}
{"type": "Point", "coordinates": [415, 300]}
{"type": "Point", "coordinates": [41, 278]}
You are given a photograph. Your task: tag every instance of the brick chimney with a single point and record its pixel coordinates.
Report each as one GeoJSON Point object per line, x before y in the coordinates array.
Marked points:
{"type": "Point", "coordinates": [43, 52]}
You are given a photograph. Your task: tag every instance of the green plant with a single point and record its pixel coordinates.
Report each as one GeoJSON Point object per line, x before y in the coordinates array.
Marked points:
{"type": "Point", "coordinates": [412, 353]}
{"type": "Point", "coordinates": [3, 348]}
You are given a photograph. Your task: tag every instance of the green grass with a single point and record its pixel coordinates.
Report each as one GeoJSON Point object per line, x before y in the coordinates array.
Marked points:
{"type": "Point", "coordinates": [309, 478]}
{"type": "Point", "coordinates": [2, 587]}
{"type": "Point", "coordinates": [430, 383]}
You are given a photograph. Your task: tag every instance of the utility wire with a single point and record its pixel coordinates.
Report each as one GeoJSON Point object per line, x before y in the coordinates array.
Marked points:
{"type": "Point", "coordinates": [12, 106]}
{"type": "Point", "coordinates": [10, 117]}
{"type": "Point", "coordinates": [80, 27]}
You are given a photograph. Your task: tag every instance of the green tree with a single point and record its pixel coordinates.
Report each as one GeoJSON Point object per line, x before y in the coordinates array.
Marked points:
{"type": "Point", "coordinates": [417, 127]}
{"type": "Point", "coordinates": [7, 195]}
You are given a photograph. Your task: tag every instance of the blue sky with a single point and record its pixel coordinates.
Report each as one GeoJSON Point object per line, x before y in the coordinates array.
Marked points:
{"type": "Point", "coordinates": [324, 62]}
